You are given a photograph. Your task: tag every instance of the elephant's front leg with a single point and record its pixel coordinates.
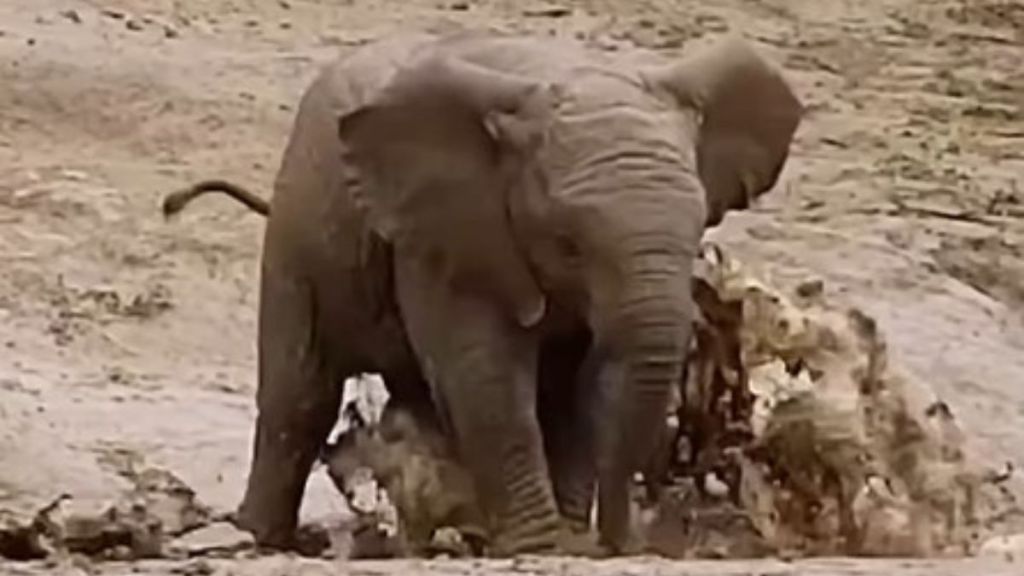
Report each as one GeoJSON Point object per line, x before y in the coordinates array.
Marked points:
{"type": "Point", "coordinates": [297, 404]}
{"type": "Point", "coordinates": [564, 420]}
{"type": "Point", "coordinates": [483, 368]}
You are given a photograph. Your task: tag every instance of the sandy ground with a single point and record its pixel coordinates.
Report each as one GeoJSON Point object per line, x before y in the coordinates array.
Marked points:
{"type": "Point", "coordinates": [125, 336]}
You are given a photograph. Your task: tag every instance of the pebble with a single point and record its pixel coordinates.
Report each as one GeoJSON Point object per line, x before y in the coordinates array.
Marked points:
{"type": "Point", "coordinates": [547, 11]}
{"type": "Point", "coordinates": [74, 175]}
{"type": "Point", "coordinates": [72, 15]}
{"type": "Point", "coordinates": [220, 538]}
{"type": "Point", "coordinates": [115, 14]}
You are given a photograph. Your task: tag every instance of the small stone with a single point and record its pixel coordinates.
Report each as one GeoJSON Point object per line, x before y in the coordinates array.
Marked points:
{"type": "Point", "coordinates": [547, 11]}
{"type": "Point", "coordinates": [72, 15]}
{"type": "Point", "coordinates": [133, 24]}
{"type": "Point", "coordinates": [447, 542]}
{"type": "Point", "coordinates": [811, 289]}
{"type": "Point", "coordinates": [115, 14]}
{"type": "Point", "coordinates": [75, 175]}
{"type": "Point", "coordinates": [459, 6]}
{"type": "Point", "coordinates": [220, 538]}
{"type": "Point", "coordinates": [170, 31]}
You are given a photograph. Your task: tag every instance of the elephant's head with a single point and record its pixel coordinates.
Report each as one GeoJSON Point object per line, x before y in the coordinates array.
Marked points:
{"type": "Point", "coordinates": [593, 191]}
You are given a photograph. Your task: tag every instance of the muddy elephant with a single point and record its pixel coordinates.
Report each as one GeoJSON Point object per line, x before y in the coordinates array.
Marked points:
{"type": "Point", "coordinates": [504, 224]}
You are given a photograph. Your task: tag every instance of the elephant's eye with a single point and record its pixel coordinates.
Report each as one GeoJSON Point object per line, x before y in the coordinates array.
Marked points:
{"type": "Point", "coordinates": [568, 249]}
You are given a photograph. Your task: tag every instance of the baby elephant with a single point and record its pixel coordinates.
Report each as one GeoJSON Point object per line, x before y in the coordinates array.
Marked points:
{"type": "Point", "coordinates": [412, 461]}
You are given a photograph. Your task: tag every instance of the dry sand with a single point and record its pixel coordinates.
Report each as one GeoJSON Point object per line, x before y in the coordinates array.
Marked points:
{"type": "Point", "coordinates": [124, 336]}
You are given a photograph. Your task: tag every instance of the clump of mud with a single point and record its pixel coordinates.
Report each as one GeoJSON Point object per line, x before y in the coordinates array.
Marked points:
{"type": "Point", "coordinates": [409, 494]}
{"type": "Point", "coordinates": [817, 443]}
{"type": "Point", "coordinates": [141, 524]}
{"type": "Point", "coordinates": [792, 434]}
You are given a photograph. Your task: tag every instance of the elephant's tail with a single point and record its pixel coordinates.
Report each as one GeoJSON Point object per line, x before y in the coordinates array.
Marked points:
{"type": "Point", "coordinates": [176, 201]}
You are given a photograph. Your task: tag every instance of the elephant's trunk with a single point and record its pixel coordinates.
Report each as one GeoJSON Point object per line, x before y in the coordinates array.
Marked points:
{"type": "Point", "coordinates": [644, 349]}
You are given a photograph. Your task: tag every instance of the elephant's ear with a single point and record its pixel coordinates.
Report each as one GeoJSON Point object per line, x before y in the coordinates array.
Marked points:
{"type": "Point", "coordinates": [430, 169]}
{"type": "Point", "coordinates": [748, 115]}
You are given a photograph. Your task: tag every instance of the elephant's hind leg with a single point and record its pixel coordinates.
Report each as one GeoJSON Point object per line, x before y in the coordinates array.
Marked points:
{"type": "Point", "coordinates": [297, 400]}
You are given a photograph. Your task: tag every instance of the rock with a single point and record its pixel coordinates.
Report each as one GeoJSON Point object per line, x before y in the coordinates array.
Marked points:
{"type": "Point", "coordinates": [133, 24]}
{"type": "Point", "coordinates": [72, 15]}
{"type": "Point", "coordinates": [99, 530]}
{"type": "Point", "coordinates": [216, 539]}
{"type": "Point", "coordinates": [811, 289]}
{"type": "Point", "coordinates": [448, 541]}
{"type": "Point", "coordinates": [20, 539]}
{"type": "Point", "coordinates": [90, 531]}
{"type": "Point", "coordinates": [170, 500]}
{"type": "Point", "coordinates": [74, 175]}
{"type": "Point", "coordinates": [547, 11]}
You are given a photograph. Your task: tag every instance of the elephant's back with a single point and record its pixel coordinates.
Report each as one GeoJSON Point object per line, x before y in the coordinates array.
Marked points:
{"type": "Point", "coordinates": [311, 170]}
{"type": "Point", "coordinates": [311, 160]}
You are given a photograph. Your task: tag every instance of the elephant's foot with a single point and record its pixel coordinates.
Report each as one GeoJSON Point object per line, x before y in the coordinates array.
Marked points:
{"type": "Point", "coordinates": [620, 526]}
{"type": "Point", "coordinates": [577, 539]}
{"type": "Point", "coordinates": [277, 479]}
{"type": "Point", "coordinates": [268, 531]}
{"type": "Point", "coordinates": [575, 511]}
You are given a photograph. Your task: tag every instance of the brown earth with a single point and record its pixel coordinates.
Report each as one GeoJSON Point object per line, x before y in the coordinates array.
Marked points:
{"type": "Point", "coordinates": [125, 336]}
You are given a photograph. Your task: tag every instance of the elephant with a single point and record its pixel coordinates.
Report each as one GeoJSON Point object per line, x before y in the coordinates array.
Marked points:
{"type": "Point", "coordinates": [504, 227]}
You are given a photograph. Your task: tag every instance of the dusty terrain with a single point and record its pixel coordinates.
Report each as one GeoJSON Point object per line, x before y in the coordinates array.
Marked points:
{"type": "Point", "coordinates": [125, 338]}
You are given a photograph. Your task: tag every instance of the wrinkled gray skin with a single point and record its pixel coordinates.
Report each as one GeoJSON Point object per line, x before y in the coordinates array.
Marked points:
{"type": "Point", "coordinates": [539, 207]}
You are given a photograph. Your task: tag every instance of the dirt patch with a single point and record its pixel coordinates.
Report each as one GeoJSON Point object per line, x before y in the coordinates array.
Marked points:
{"type": "Point", "coordinates": [120, 332]}
{"type": "Point", "coordinates": [993, 266]}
